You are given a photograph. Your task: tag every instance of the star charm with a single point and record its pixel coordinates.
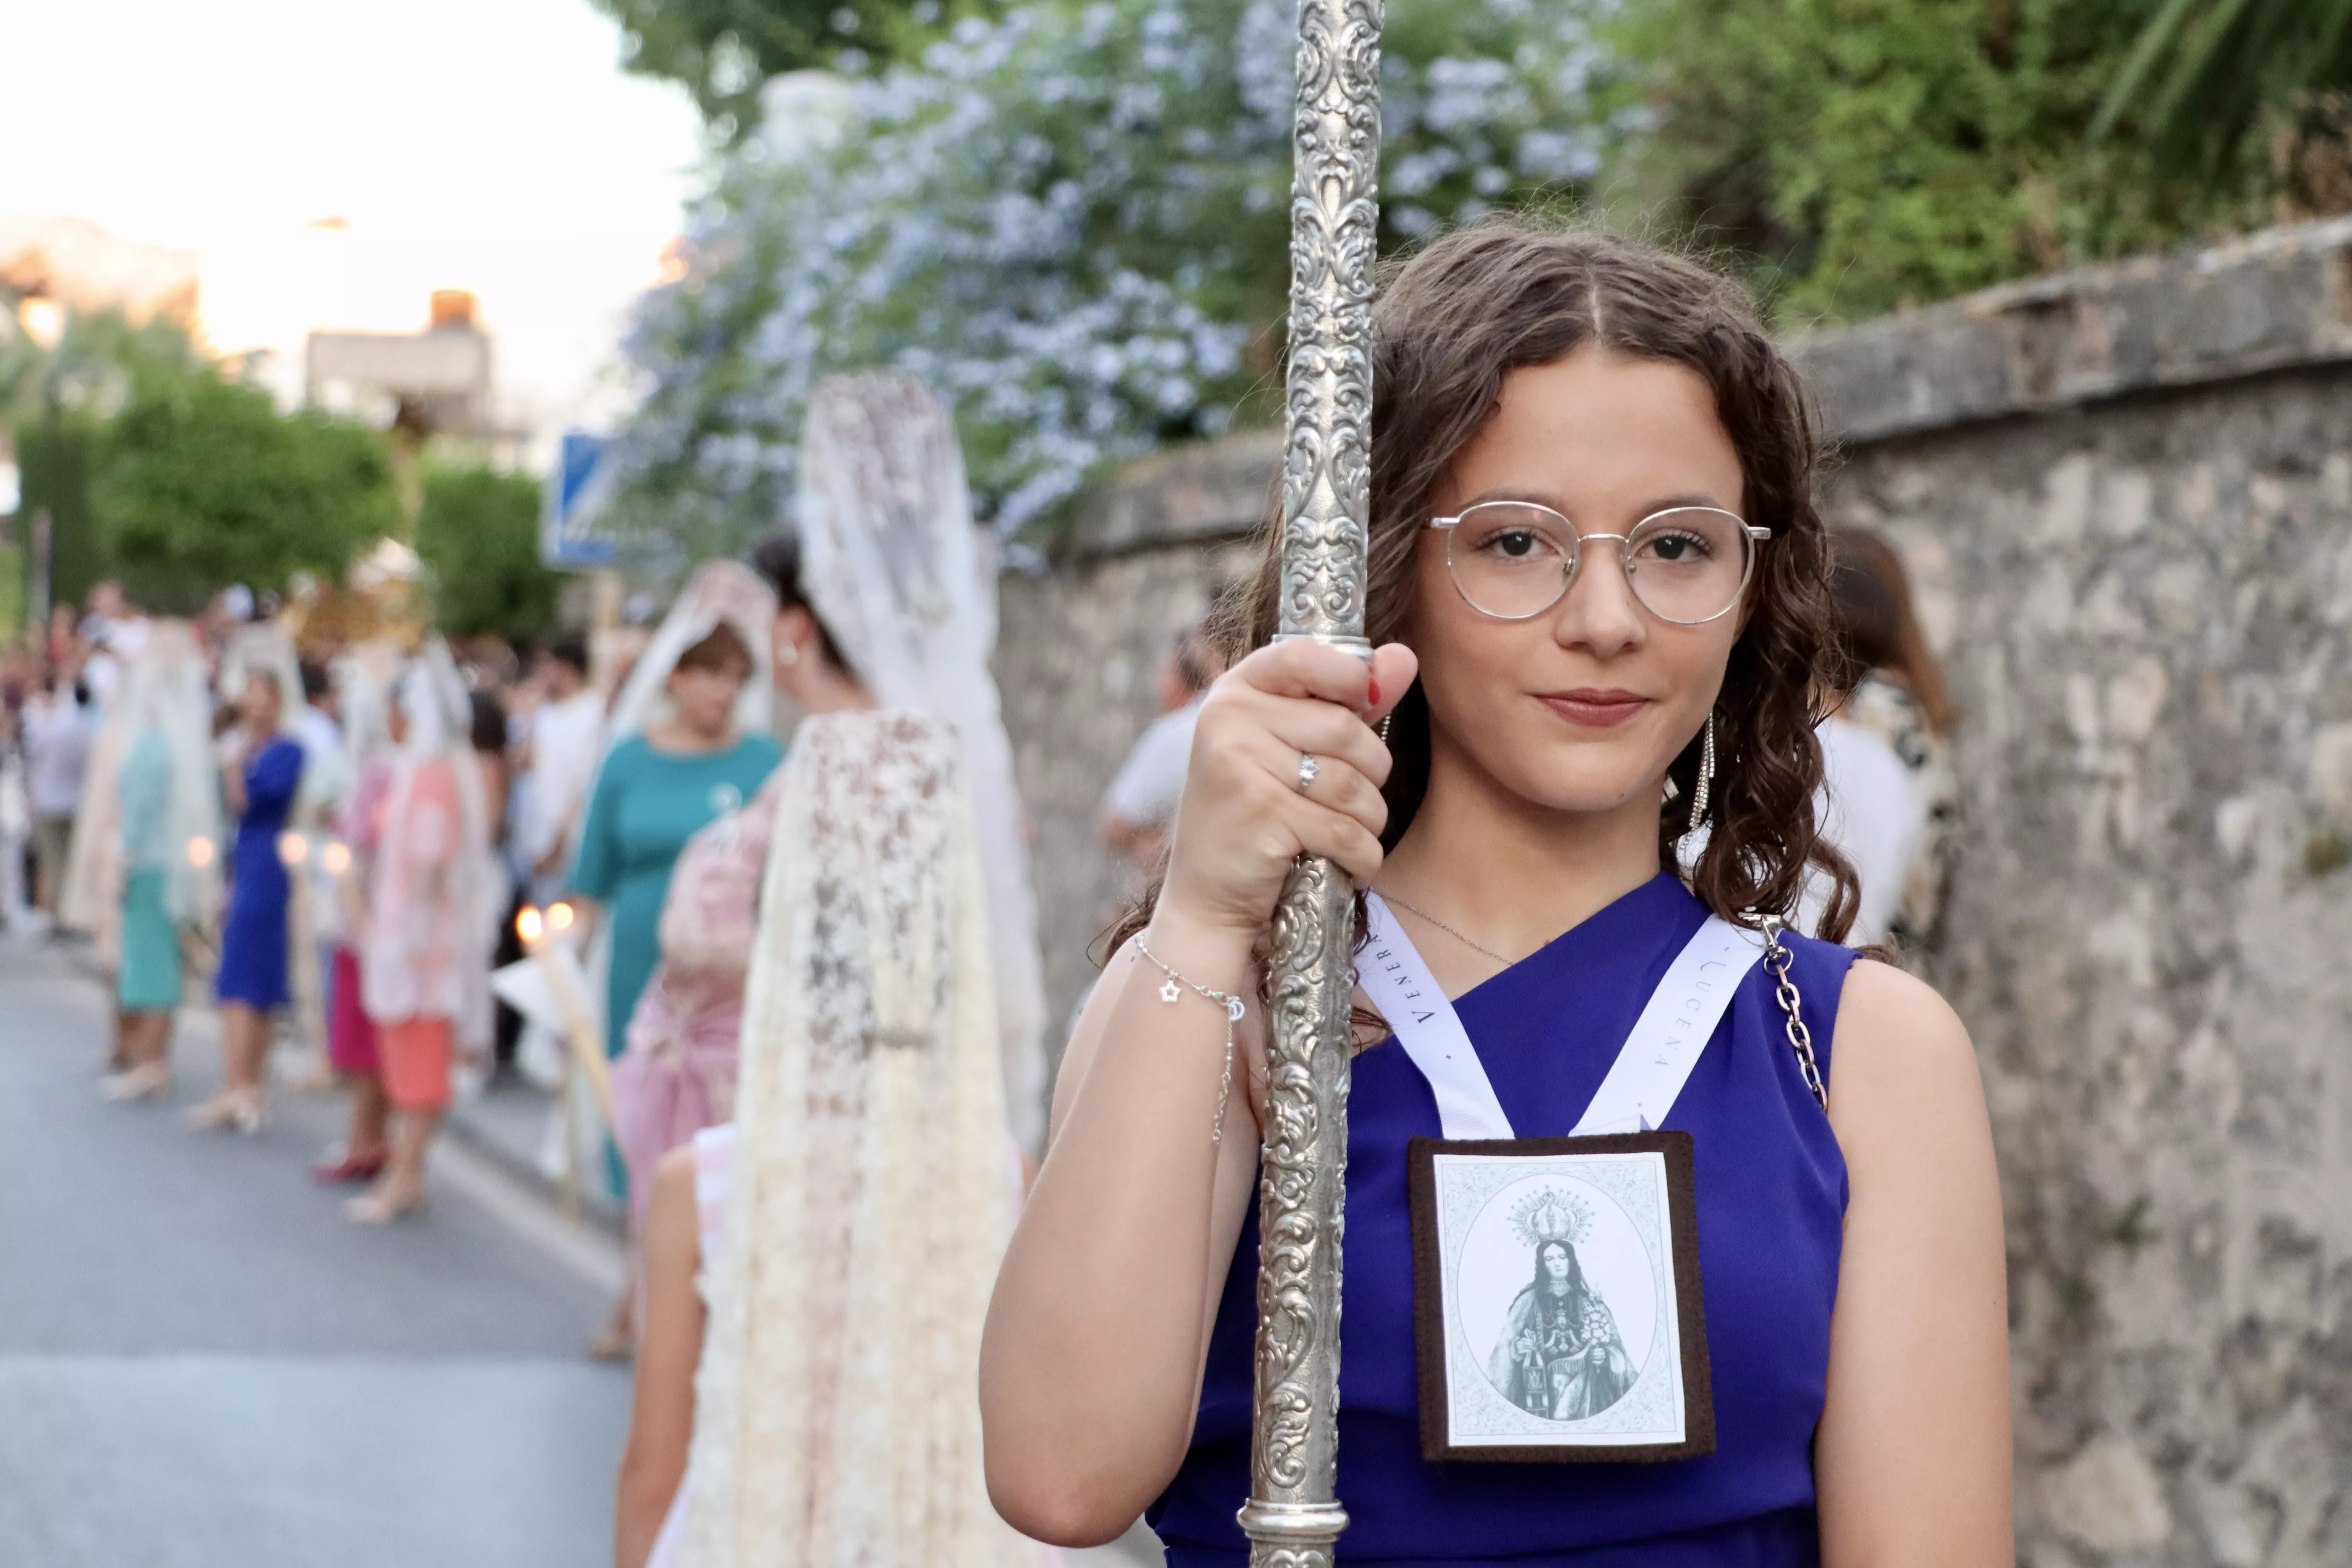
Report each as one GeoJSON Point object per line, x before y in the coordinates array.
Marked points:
{"type": "Point", "coordinates": [1171, 992]}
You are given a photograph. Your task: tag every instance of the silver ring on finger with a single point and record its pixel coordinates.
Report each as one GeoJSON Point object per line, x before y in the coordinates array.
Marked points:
{"type": "Point", "coordinates": [1307, 768]}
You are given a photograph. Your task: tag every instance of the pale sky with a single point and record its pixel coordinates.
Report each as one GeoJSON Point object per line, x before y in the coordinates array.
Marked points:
{"type": "Point", "coordinates": [492, 145]}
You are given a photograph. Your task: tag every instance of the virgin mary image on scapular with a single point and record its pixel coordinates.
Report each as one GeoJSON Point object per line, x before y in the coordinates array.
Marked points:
{"type": "Point", "coordinates": [1559, 1355]}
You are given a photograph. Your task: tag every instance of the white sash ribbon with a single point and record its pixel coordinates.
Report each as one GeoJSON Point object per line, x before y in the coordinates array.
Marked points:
{"type": "Point", "coordinates": [1642, 1084]}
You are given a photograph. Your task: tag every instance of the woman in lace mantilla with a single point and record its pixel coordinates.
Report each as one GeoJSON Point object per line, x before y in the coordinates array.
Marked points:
{"type": "Point", "coordinates": [817, 1271]}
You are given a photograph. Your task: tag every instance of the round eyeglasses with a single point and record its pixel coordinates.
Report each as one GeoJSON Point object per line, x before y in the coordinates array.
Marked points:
{"type": "Point", "coordinates": [1512, 560]}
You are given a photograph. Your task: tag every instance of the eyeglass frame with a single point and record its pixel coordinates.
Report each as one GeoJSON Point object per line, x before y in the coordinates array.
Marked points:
{"type": "Point", "coordinates": [1756, 532]}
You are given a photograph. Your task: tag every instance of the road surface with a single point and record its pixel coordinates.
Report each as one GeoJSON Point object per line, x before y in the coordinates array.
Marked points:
{"type": "Point", "coordinates": [203, 1365]}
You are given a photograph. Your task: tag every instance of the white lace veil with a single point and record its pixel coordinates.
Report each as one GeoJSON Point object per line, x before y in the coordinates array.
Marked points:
{"type": "Point", "coordinates": [433, 698]}
{"type": "Point", "coordinates": [872, 1187]}
{"type": "Point", "coordinates": [266, 647]}
{"type": "Point", "coordinates": [367, 679]}
{"type": "Point", "coordinates": [164, 688]}
{"type": "Point", "coordinates": [897, 571]}
{"type": "Point", "coordinates": [720, 592]}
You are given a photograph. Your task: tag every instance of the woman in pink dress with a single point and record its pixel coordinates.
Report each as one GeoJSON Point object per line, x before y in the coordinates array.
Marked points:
{"type": "Point", "coordinates": [424, 965]}
{"type": "Point", "coordinates": [675, 1075]}
{"type": "Point", "coordinates": [367, 679]}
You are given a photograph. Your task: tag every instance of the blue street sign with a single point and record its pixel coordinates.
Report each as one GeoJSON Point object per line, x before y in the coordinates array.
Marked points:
{"type": "Point", "coordinates": [575, 500]}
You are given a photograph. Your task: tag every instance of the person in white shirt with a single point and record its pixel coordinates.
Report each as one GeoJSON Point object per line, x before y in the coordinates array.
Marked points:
{"type": "Point", "coordinates": [57, 750]}
{"type": "Point", "coordinates": [566, 736]}
{"type": "Point", "coordinates": [1141, 801]}
{"type": "Point", "coordinates": [1887, 798]}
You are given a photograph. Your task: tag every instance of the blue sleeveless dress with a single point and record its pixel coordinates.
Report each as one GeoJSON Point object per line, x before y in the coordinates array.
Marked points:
{"type": "Point", "coordinates": [252, 933]}
{"type": "Point", "coordinates": [1771, 1205]}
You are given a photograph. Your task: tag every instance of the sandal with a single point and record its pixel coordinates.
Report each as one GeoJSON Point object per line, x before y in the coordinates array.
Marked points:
{"type": "Point", "coordinates": [347, 1170]}
{"type": "Point", "coordinates": [152, 1081]}
{"type": "Point", "coordinates": [379, 1208]}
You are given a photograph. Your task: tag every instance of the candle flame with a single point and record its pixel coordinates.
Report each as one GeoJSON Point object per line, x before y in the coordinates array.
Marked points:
{"type": "Point", "coordinates": [293, 848]}
{"type": "Point", "coordinates": [529, 926]}
{"type": "Point", "coordinates": [337, 857]}
{"type": "Point", "coordinates": [558, 917]}
{"type": "Point", "coordinates": [200, 852]}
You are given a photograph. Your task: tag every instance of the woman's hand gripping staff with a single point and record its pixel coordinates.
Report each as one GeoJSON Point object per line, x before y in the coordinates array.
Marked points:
{"type": "Point", "coordinates": [1091, 1367]}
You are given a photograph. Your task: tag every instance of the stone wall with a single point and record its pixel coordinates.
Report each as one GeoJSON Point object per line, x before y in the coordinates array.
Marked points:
{"type": "Point", "coordinates": [2125, 495]}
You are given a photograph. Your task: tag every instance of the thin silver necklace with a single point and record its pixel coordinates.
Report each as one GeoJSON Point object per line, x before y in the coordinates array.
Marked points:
{"type": "Point", "coordinates": [1433, 920]}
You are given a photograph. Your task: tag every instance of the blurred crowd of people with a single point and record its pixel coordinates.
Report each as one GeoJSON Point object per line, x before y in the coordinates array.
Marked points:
{"type": "Point", "coordinates": [330, 835]}
{"type": "Point", "coordinates": [810, 985]}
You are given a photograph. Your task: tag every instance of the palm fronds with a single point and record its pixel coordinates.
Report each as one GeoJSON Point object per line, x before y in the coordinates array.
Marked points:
{"type": "Point", "coordinates": [2204, 74]}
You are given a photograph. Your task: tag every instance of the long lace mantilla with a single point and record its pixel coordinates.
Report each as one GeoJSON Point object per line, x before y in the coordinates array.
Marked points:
{"type": "Point", "coordinates": [874, 1184]}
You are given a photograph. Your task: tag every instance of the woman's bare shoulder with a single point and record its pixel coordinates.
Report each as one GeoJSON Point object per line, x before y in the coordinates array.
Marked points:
{"type": "Point", "coordinates": [1901, 1062]}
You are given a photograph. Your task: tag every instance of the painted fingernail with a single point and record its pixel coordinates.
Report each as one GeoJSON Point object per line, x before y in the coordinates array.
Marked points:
{"type": "Point", "coordinates": [1376, 694]}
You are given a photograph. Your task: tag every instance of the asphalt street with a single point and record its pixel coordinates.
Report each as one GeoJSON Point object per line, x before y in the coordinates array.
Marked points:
{"type": "Point", "coordinates": [203, 1365]}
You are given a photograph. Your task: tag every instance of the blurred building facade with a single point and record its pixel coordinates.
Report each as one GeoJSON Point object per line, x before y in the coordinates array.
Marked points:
{"type": "Point", "coordinates": [2124, 495]}
{"type": "Point", "coordinates": [84, 268]}
{"type": "Point", "coordinates": [434, 382]}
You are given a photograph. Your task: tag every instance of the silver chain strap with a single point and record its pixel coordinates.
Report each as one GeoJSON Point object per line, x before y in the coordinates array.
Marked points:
{"type": "Point", "coordinates": [1171, 993]}
{"type": "Point", "coordinates": [1777, 959]}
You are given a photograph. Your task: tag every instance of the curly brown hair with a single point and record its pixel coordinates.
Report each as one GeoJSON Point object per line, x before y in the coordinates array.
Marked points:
{"type": "Point", "coordinates": [1455, 319]}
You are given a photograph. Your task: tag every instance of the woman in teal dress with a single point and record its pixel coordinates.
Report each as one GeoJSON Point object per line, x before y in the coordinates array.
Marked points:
{"type": "Point", "coordinates": [166, 810]}
{"type": "Point", "coordinates": [656, 791]}
{"type": "Point", "coordinates": [691, 742]}
{"type": "Point", "coordinates": [694, 744]}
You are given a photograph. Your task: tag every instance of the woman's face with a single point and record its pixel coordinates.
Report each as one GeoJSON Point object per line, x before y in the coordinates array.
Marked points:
{"type": "Point", "coordinates": [260, 703]}
{"type": "Point", "coordinates": [1582, 708]}
{"type": "Point", "coordinates": [1555, 1262]}
{"type": "Point", "coordinates": [704, 697]}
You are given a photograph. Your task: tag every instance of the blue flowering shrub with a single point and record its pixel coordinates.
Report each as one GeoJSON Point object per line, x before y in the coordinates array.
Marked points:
{"type": "Point", "coordinates": [1073, 219]}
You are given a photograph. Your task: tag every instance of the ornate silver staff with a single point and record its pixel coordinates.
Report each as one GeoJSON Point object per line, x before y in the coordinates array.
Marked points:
{"type": "Point", "coordinates": [1292, 1518]}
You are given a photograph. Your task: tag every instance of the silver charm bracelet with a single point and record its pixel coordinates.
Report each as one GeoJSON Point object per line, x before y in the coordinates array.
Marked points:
{"type": "Point", "coordinates": [1777, 958]}
{"type": "Point", "coordinates": [1171, 993]}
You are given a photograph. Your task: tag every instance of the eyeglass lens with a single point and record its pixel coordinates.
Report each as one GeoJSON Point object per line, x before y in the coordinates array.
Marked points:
{"type": "Point", "coordinates": [1512, 560]}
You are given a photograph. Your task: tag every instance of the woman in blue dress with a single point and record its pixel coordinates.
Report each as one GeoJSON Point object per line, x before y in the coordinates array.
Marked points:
{"type": "Point", "coordinates": [259, 787]}
{"type": "Point", "coordinates": [1599, 588]}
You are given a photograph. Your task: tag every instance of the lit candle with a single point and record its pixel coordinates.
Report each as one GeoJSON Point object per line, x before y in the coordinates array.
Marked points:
{"type": "Point", "coordinates": [543, 937]}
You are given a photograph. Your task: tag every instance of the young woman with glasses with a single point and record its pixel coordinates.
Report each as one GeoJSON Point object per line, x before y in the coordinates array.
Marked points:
{"type": "Point", "coordinates": [1599, 589]}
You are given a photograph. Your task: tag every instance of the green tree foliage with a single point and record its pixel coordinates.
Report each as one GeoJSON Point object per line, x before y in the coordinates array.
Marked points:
{"type": "Point", "coordinates": [53, 453]}
{"type": "Point", "coordinates": [1870, 154]}
{"type": "Point", "coordinates": [59, 401]}
{"type": "Point", "coordinates": [478, 532]}
{"type": "Point", "coordinates": [199, 482]}
{"type": "Point", "coordinates": [723, 51]}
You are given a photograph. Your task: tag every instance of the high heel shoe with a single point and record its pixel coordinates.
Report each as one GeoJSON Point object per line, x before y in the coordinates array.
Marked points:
{"type": "Point", "coordinates": [381, 1207]}
{"type": "Point", "coordinates": [249, 1115]}
{"type": "Point", "coordinates": [152, 1081]}
{"type": "Point", "coordinates": [241, 1110]}
{"type": "Point", "coordinates": [212, 1114]}
{"type": "Point", "coordinates": [348, 1170]}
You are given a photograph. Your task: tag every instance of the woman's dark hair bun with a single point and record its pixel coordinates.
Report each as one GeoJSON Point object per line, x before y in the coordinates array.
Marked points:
{"type": "Point", "coordinates": [778, 559]}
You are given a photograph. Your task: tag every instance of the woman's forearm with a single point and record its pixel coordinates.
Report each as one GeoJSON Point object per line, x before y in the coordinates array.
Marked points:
{"type": "Point", "coordinates": [1091, 1364]}
{"type": "Point", "coordinates": [640, 1502]}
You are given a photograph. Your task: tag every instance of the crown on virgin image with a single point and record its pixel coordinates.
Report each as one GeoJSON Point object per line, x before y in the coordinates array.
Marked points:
{"type": "Point", "coordinates": [1550, 1215]}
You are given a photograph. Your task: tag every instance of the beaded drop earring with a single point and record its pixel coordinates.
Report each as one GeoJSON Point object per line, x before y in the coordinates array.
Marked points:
{"type": "Point", "coordinates": [1704, 792]}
